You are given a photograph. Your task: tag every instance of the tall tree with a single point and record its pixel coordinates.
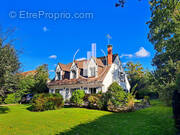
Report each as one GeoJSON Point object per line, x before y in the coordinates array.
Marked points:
{"type": "Point", "coordinates": [9, 64]}
{"type": "Point", "coordinates": [135, 73]}
{"type": "Point", "coordinates": [41, 78]}
{"type": "Point", "coordinates": [164, 34]}
{"type": "Point", "coordinates": [142, 81]}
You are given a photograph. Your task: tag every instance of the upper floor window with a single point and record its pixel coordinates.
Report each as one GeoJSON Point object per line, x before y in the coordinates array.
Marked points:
{"type": "Point", "coordinates": [93, 71]}
{"type": "Point", "coordinates": [59, 75]}
{"type": "Point", "coordinates": [122, 76]}
{"type": "Point", "coordinates": [73, 74]}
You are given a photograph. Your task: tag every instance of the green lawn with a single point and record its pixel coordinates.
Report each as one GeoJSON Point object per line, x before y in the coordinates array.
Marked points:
{"type": "Point", "coordinates": [17, 120]}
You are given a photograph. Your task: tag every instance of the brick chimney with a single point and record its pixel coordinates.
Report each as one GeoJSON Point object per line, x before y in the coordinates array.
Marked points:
{"type": "Point", "coordinates": [110, 55]}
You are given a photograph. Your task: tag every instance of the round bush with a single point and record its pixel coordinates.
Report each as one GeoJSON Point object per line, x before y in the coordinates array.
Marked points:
{"type": "Point", "coordinates": [96, 101]}
{"type": "Point", "coordinates": [42, 102]}
{"type": "Point", "coordinates": [116, 94]}
{"type": "Point", "coordinates": [77, 97]}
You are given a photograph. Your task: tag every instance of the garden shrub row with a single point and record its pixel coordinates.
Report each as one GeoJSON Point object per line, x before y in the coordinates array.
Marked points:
{"type": "Point", "coordinates": [115, 99]}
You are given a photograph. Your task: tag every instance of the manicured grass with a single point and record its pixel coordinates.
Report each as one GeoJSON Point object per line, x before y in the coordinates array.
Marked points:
{"type": "Point", "coordinates": [155, 120]}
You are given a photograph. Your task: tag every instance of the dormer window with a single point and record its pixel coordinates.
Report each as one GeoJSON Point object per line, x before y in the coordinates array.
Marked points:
{"type": "Point", "coordinates": [92, 71]}
{"type": "Point", "coordinates": [92, 68]}
{"type": "Point", "coordinates": [73, 74]}
{"type": "Point", "coordinates": [122, 76]}
{"type": "Point", "coordinates": [59, 75]}
{"type": "Point", "coordinates": [74, 71]}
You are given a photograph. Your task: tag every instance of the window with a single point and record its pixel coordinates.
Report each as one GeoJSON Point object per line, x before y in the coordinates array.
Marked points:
{"type": "Point", "coordinates": [66, 75]}
{"type": "Point", "coordinates": [61, 91]}
{"type": "Point", "coordinates": [122, 76]}
{"type": "Point", "coordinates": [86, 90]}
{"type": "Point", "coordinates": [59, 75]}
{"type": "Point", "coordinates": [85, 73]}
{"type": "Point", "coordinates": [93, 90]}
{"type": "Point", "coordinates": [67, 93]}
{"type": "Point", "coordinates": [73, 74]}
{"type": "Point", "coordinates": [51, 91]}
{"type": "Point", "coordinates": [93, 71]}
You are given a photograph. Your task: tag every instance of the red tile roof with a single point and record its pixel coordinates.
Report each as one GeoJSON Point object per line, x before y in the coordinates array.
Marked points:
{"type": "Point", "coordinates": [82, 80]}
{"type": "Point", "coordinates": [33, 72]}
{"type": "Point", "coordinates": [102, 71]}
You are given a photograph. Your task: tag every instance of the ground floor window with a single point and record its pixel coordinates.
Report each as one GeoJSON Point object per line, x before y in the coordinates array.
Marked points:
{"type": "Point", "coordinates": [61, 91]}
{"type": "Point", "coordinates": [51, 91]}
{"type": "Point", "coordinates": [93, 90]}
{"type": "Point", "coordinates": [86, 90]}
{"type": "Point", "coordinates": [67, 92]}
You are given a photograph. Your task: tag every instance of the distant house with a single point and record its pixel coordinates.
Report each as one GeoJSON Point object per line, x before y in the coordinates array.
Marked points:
{"type": "Point", "coordinates": [29, 73]}
{"type": "Point", "coordinates": [92, 75]}
{"type": "Point", "coordinates": [33, 72]}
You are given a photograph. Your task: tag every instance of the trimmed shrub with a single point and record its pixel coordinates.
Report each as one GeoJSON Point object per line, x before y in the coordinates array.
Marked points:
{"type": "Point", "coordinates": [95, 101]}
{"type": "Point", "coordinates": [116, 95]}
{"type": "Point", "coordinates": [42, 102]}
{"type": "Point", "coordinates": [77, 98]}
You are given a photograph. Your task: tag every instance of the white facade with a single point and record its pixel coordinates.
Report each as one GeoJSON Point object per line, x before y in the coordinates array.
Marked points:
{"type": "Point", "coordinates": [74, 72]}
{"type": "Point", "coordinates": [114, 75]}
{"type": "Point", "coordinates": [58, 73]}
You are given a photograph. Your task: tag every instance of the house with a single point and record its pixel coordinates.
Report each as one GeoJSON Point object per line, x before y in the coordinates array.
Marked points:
{"type": "Point", "coordinates": [92, 75]}
{"type": "Point", "coordinates": [28, 73]}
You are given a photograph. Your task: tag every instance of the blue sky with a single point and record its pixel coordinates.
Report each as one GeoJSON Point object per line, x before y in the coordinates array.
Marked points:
{"type": "Point", "coordinates": [40, 38]}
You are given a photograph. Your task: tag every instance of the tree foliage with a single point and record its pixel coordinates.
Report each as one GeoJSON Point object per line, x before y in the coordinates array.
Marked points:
{"type": "Point", "coordinates": [77, 97]}
{"type": "Point", "coordinates": [25, 85]}
{"type": "Point", "coordinates": [164, 34]}
{"type": "Point", "coordinates": [141, 81]}
{"type": "Point", "coordinates": [117, 95]}
{"type": "Point", "coordinates": [41, 77]}
{"type": "Point", "coordinates": [9, 64]}
{"type": "Point", "coordinates": [135, 73]}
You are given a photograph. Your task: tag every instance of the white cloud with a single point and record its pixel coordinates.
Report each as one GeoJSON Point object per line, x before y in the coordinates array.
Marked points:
{"type": "Point", "coordinates": [124, 63]}
{"type": "Point", "coordinates": [50, 71]}
{"type": "Point", "coordinates": [52, 57]}
{"type": "Point", "coordinates": [45, 29]}
{"type": "Point", "coordinates": [126, 55]}
{"type": "Point", "coordinates": [142, 53]}
{"type": "Point", "coordinates": [81, 59]}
